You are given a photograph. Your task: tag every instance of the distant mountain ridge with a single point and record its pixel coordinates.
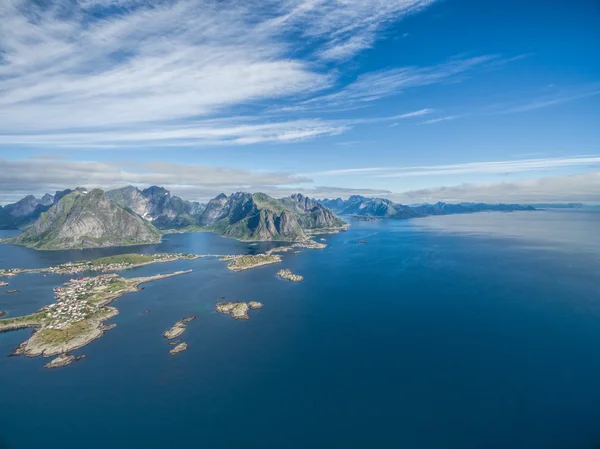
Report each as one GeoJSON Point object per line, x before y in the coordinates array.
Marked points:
{"type": "Point", "coordinates": [361, 206]}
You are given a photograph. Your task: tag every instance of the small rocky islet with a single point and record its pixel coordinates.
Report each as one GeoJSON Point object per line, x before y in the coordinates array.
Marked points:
{"type": "Point", "coordinates": [238, 310]}
{"type": "Point", "coordinates": [289, 276]}
{"type": "Point", "coordinates": [178, 328]}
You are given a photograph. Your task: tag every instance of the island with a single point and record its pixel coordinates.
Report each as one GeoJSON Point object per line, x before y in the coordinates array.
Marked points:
{"type": "Point", "coordinates": [245, 262]}
{"type": "Point", "coordinates": [103, 264]}
{"type": "Point", "coordinates": [237, 310]}
{"type": "Point", "coordinates": [77, 316]}
{"type": "Point", "coordinates": [288, 275]}
{"type": "Point", "coordinates": [179, 348]}
{"type": "Point", "coordinates": [178, 329]}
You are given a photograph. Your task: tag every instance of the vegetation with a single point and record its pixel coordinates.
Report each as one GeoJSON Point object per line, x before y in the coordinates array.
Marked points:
{"type": "Point", "coordinates": [59, 336]}
{"type": "Point", "coordinates": [249, 261]}
{"type": "Point", "coordinates": [132, 259]}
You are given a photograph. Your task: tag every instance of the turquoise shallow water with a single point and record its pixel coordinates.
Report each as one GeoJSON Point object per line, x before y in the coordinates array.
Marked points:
{"type": "Point", "coordinates": [479, 331]}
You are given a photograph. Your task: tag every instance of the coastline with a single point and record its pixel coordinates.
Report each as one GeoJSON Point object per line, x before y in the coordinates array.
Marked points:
{"type": "Point", "coordinates": [49, 341]}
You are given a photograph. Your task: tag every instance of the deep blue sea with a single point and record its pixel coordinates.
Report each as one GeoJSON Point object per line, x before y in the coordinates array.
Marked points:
{"type": "Point", "coordinates": [473, 331]}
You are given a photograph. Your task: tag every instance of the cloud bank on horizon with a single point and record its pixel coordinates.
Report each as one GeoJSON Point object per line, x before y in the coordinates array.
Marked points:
{"type": "Point", "coordinates": [327, 97]}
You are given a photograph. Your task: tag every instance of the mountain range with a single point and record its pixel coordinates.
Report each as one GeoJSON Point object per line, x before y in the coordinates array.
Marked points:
{"type": "Point", "coordinates": [363, 207]}
{"type": "Point", "coordinates": [128, 216]}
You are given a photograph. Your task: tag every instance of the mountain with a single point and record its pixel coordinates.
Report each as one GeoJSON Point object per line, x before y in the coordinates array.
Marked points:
{"type": "Point", "coordinates": [258, 216]}
{"type": "Point", "coordinates": [441, 208]}
{"type": "Point", "coordinates": [248, 216]}
{"type": "Point", "coordinates": [372, 207]}
{"type": "Point", "coordinates": [383, 208]}
{"type": "Point", "coordinates": [82, 219]}
{"type": "Point", "coordinates": [22, 213]}
{"type": "Point", "coordinates": [156, 204]}
{"type": "Point", "coordinates": [310, 213]}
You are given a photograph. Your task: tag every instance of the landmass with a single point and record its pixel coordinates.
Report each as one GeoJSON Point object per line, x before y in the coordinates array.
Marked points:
{"type": "Point", "coordinates": [178, 329]}
{"type": "Point", "coordinates": [83, 219]}
{"type": "Point", "coordinates": [77, 316]}
{"type": "Point", "coordinates": [245, 262]}
{"type": "Point", "coordinates": [237, 310]}
{"type": "Point", "coordinates": [289, 276]}
{"type": "Point", "coordinates": [103, 264]}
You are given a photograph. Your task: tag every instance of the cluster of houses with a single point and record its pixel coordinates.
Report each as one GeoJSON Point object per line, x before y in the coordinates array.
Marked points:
{"type": "Point", "coordinates": [10, 272]}
{"type": "Point", "coordinates": [72, 303]}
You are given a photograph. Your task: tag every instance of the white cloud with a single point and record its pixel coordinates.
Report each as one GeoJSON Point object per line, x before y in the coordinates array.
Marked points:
{"type": "Point", "coordinates": [491, 167]}
{"type": "Point", "coordinates": [584, 188]}
{"type": "Point", "coordinates": [193, 182]}
{"type": "Point", "coordinates": [375, 85]}
{"type": "Point", "coordinates": [70, 68]}
{"type": "Point", "coordinates": [440, 119]}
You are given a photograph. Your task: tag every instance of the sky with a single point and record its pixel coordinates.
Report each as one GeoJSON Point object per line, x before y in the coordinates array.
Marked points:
{"type": "Point", "coordinates": [412, 100]}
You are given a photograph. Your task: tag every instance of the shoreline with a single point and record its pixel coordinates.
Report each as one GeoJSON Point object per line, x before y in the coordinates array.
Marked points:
{"type": "Point", "coordinates": [50, 340]}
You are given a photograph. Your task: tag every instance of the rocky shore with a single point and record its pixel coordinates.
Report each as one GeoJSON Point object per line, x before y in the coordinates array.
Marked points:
{"type": "Point", "coordinates": [62, 360]}
{"type": "Point", "coordinates": [237, 310]}
{"type": "Point", "coordinates": [77, 316]}
{"type": "Point", "coordinates": [289, 276]}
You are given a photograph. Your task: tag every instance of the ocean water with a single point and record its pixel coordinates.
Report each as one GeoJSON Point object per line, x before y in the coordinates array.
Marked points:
{"type": "Point", "coordinates": [471, 331]}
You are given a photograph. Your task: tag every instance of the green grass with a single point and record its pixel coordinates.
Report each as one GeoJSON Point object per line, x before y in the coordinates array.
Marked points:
{"type": "Point", "coordinates": [33, 318]}
{"type": "Point", "coordinates": [250, 261]}
{"type": "Point", "coordinates": [59, 336]}
{"type": "Point", "coordinates": [124, 258]}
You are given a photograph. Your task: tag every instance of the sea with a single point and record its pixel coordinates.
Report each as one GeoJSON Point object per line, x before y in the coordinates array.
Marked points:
{"type": "Point", "coordinates": [478, 331]}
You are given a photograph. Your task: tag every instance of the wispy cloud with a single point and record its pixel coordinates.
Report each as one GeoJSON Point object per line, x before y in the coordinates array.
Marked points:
{"type": "Point", "coordinates": [550, 99]}
{"type": "Point", "coordinates": [493, 167]}
{"type": "Point", "coordinates": [510, 166]}
{"type": "Point", "coordinates": [373, 86]}
{"type": "Point", "coordinates": [231, 131]}
{"type": "Point", "coordinates": [73, 67]}
{"type": "Point", "coordinates": [441, 119]}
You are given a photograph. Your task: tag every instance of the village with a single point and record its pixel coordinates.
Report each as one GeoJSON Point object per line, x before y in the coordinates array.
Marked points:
{"type": "Point", "coordinates": [72, 300]}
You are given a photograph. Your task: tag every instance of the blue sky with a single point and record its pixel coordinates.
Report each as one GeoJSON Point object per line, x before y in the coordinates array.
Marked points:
{"type": "Point", "coordinates": [415, 100]}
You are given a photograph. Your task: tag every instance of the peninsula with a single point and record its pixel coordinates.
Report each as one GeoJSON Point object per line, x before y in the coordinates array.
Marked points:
{"type": "Point", "coordinates": [103, 264]}
{"type": "Point", "coordinates": [77, 316]}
